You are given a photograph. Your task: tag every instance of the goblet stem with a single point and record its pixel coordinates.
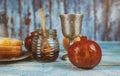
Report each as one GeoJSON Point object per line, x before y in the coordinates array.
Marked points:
{"type": "Point", "coordinates": [71, 42]}
{"type": "Point", "coordinates": [65, 57]}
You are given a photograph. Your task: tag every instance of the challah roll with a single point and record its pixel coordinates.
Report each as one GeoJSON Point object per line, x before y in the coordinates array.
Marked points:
{"type": "Point", "coordinates": [10, 48]}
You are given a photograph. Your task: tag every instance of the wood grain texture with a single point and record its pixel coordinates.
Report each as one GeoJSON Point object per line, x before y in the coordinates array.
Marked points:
{"type": "Point", "coordinates": [100, 22]}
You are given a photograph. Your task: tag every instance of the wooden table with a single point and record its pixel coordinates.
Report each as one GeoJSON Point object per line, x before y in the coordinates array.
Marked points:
{"type": "Point", "coordinates": [109, 66]}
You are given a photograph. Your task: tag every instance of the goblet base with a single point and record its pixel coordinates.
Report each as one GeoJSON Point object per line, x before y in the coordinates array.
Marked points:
{"type": "Point", "coordinates": [64, 57]}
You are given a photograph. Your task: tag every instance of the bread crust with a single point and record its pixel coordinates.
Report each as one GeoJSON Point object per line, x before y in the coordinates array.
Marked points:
{"type": "Point", "coordinates": [10, 42]}
{"type": "Point", "coordinates": [10, 51]}
{"type": "Point", "coordinates": [10, 48]}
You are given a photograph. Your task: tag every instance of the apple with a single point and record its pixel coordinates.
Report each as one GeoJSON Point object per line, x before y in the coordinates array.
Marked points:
{"type": "Point", "coordinates": [85, 53]}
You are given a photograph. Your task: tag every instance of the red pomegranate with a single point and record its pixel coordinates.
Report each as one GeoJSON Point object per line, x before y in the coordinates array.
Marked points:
{"type": "Point", "coordinates": [85, 53]}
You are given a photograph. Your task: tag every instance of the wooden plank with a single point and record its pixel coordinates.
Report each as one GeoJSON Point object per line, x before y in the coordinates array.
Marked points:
{"type": "Point", "coordinates": [4, 19]}
{"type": "Point", "coordinates": [101, 19]}
{"type": "Point", "coordinates": [26, 18]}
{"type": "Point", "coordinates": [47, 10]}
{"type": "Point", "coordinates": [34, 15]}
{"type": "Point", "coordinates": [94, 2]}
{"type": "Point", "coordinates": [20, 15]}
{"type": "Point", "coordinates": [60, 10]}
{"type": "Point", "coordinates": [115, 20]}
{"type": "Point", "coordinates": [50, 13]}
{"type": "Point", "coordinates": [13, 22]}
{"type": "Point", "coordinates": [103, 14]}
{"type": "Point", "coordinates": [86, 8]}
{"type": "Point", "coordinates": [77, 6]}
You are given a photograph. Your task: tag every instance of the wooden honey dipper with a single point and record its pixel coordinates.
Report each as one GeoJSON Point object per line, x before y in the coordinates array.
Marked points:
{"type": "Point", "coordinates": [45, 45]}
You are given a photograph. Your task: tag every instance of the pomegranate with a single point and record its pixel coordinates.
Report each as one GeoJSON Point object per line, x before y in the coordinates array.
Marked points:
{"type": "Point", "coordinates": [85, 53]}
{"type": "Point", "coordinates": [28, 42]}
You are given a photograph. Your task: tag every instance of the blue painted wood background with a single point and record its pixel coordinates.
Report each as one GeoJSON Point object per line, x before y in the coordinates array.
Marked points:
{"type": "Point", "coordinates": [101, 21]}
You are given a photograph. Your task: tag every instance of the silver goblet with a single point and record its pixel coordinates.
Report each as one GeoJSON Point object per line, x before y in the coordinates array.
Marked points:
{"type": "Point", "coordinates": [71, 26]}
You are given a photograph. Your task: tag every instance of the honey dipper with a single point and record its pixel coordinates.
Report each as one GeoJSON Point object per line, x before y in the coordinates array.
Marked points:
{"type": "Point", "coordinates": [45, 45]}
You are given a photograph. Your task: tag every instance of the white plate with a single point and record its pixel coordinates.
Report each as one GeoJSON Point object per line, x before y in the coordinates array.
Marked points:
{"type": "Point", "coordinates": [25, 55]}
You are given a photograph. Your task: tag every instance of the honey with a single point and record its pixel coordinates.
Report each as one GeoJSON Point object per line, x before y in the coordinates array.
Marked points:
{"type": "Point", "coordinates": [46, 57]}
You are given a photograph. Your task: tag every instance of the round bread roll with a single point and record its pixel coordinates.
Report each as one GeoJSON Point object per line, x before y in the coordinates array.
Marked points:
{"type": "Point", "coordinates": [10, 48]}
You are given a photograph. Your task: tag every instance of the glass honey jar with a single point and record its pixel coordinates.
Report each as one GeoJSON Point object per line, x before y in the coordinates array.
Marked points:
{"type": "Point", "coordinates": [45, 54]}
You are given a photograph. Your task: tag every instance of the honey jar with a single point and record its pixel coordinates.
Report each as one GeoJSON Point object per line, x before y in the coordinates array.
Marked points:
{"type": "Point", "coordinates": [45, 54]}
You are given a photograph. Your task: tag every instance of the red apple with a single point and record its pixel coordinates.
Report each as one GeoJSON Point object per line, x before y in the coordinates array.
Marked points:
{"type": "Point", "coordinates": [85, 53]}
